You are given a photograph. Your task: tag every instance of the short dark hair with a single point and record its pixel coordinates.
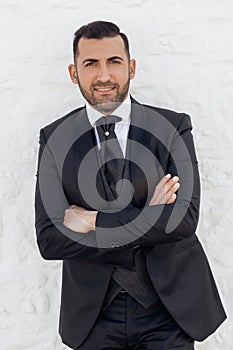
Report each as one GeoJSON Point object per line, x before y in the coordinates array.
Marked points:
{"type": "Point", "coordinates": [98, 30]}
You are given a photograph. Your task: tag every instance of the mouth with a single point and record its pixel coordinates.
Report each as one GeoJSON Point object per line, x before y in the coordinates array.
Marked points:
{"type": "Point", "coordinates": [104, 90]}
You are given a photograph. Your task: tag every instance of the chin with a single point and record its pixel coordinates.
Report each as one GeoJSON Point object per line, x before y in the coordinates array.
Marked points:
{"type": "Point", "coordinates": [107, 107]}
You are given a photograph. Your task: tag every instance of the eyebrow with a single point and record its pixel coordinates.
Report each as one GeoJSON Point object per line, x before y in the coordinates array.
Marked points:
{"type": "Point", "coordinates": [109, 59]}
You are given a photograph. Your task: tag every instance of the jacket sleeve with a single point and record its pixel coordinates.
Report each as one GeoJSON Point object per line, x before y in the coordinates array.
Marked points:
{"type": "Point", "coordinates": [55, 241]}
{"type": "Point", "coordinates": [160, 224]}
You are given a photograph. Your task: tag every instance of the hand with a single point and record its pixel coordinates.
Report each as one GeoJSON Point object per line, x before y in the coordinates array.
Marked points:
{"type": "Point", "coordinates": [79, 219]}
{"type": "Point", "coordinates": [164, 192]}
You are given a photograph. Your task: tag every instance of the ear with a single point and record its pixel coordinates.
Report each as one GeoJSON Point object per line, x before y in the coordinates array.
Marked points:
{"type": "Point", "coordinates": [132, 68]}
{"type": "Point", "coordinates": [73, 73]}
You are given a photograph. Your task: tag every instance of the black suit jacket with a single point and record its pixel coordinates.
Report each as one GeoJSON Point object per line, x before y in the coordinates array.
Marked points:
{"type": "Point", "coordinates": [159, 142]}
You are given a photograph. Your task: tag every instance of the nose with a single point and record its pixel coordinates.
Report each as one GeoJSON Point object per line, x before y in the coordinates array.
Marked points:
{"type": "Point", "coordinates": [104, 74]}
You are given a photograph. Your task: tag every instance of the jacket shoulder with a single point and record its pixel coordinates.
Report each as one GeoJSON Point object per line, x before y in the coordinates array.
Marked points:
{"type": "Point", "coordinates": [175, 118]}
{"type": "Point", "coordinates": [49, 128]}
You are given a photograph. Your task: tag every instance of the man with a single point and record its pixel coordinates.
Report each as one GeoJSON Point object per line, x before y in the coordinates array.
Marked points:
{"type": "Point", "coordinates": [117, 199]}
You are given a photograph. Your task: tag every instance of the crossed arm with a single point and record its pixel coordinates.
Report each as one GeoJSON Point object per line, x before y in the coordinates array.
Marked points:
{"type": "Point", "coordinates": [81, 220]}
{"type": "Point", "coordinates": [168, 216]}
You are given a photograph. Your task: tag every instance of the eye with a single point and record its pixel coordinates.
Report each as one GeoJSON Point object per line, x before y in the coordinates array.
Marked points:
{"type": "Point", "coordinates": [115, 62]}
{"type": "Point", "coordinates": [90, 64]}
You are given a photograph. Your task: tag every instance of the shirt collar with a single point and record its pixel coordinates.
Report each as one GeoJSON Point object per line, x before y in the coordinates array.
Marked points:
{"type": "Point", "coordinates": [122, 111]}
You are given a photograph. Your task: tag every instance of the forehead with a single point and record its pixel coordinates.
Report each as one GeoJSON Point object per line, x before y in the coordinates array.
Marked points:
{"type": "Point", "coordinates": [101, 48]}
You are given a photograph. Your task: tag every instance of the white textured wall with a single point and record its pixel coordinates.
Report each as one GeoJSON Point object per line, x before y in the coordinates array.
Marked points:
{"type": "Point", "coordinates": [185, 59]}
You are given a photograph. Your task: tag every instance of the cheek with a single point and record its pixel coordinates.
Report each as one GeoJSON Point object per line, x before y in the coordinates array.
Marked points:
{"type": "Point", "coordinates": [86, 79]}
{"type": "Point", "coordinates": [120, 76]}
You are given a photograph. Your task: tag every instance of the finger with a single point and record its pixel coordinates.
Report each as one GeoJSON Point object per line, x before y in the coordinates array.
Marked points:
{"type": "Point", "coordinates": [172, 199]}
{"type": "Point", "coordinates": [70, 213]}
{"type": "Point", "coordinates": [75, 207]}
{"type": "Point", "coordinates": [165, 184]}
{"type": "Point", "coordinates": [170, 187]}
{"type": "Point", "coordinates": [172, 182]}
{"type": "Point", "coordinates": [160, 195]}
{"type": "Point", "coordinates": [165, 192]}
{"type": "Point", "coordinates": [157, 191]}
{"type": "Point", "coordinates": [172, 190]}
{"type": "Point", "coordinates": [66, 216]}
{"type": "Point", "coordinates": [67, 211]}
{"type": "Point", "coordinates": [163, 181]}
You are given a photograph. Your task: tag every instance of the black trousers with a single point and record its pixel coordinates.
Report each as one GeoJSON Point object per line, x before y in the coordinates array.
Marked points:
{"type": "Point", "coordinates": [126, 325]}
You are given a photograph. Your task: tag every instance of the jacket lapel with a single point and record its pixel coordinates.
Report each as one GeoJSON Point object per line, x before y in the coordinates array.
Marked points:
{"type": "Point", "coordinates": [144, 169]}
{"type": "Point", "coordinates": [90, 182]}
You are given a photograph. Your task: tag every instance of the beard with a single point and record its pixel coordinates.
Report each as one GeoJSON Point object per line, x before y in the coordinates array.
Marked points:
{"type": "Point", "coordinates": [105, 104]}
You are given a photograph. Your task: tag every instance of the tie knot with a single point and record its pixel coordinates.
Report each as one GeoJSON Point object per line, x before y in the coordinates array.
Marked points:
{"type": "Point", "coordinates": [106, 127]}
{"type": "Point", "coordinates": [105, 122]}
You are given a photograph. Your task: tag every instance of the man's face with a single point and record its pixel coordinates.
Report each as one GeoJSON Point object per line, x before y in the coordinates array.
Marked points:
{"type": "Point", "coordinates": [103, 72]}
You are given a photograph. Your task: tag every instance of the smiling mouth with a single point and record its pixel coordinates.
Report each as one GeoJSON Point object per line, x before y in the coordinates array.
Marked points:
{"type": "Point", "coordinates": [107, 89]}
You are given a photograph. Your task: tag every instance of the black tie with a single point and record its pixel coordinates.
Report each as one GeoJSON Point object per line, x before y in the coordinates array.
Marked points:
{"type": "Point", "coordinates": [110, 152]}
{"type": "Point", "coordinates": [115, 168]}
